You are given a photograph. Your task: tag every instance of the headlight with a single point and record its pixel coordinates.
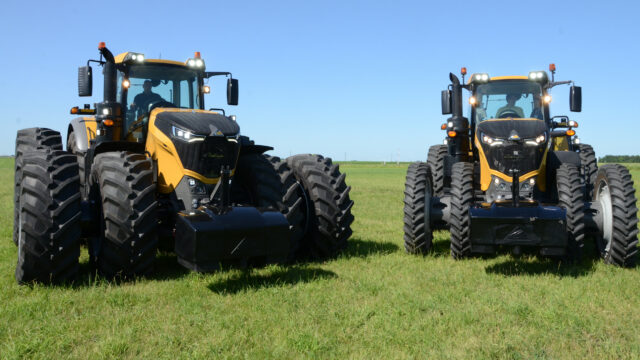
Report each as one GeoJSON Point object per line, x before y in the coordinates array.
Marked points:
{"type": "Point", "coordinates": [490, 141]}
{"type": "Point", "coordinates": [185, 135]}
{"type": "Point", "coordinates": [541, 139]}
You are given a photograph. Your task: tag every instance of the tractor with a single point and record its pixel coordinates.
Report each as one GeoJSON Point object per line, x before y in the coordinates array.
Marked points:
{"type": "Point", "coordinates": [149, 169]}
{"type": "Point", "coordinates": [511, 176]}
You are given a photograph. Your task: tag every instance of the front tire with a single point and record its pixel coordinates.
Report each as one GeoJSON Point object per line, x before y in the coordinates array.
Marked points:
{"type": "Point", "coordinates": [123, 188]}
{"type": "Point", "coordinates": [617, 241]}
{"type": "Point", "coordinates": [328, 205]}
{"type": "Point", "coordinates": [418, 235]}
{"type": "Point", "coordinates": [461, 201]}
{"type": "Point", "coordinates": [570, 197]}
{"type": "Point", "coordinates": [49, 218]}
{"type": "Point", "coordinates": [435, 160]}
{"type": "Point", "coordinates": [265, 181]}
{"type": "Point", "coordinates": [589, 168]}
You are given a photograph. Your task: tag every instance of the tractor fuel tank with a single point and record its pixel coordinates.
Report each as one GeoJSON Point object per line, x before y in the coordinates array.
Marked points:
{"type": "Point", "coordinates": [206, 238]}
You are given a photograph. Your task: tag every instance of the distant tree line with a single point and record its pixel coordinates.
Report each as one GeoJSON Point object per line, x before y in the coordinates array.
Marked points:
{"type": "Point", "coordinates": [620, 159]}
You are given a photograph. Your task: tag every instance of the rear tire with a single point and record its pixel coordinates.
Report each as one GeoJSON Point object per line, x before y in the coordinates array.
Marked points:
{"type": "Point", "coordinates": [570, 197]}
{"type": "Point", "coordinates": [49, 218]}
{"type": "Point", "coordinates": [328, 206]}
{"type": "Point", "coordinates": [618, 240]}
{"type": "Point", "coordinates": [418, 235]}
{"type": "Point", "coordinates": [29, 140]}
{"type": "Point", "coordinates": [589, 169]}
{"type": "Point", "coordinates": [435, 160]}
{"type": "Point", "coordinates": [461, 201]}
{"type": "Point", "coordinates": [123, 188]}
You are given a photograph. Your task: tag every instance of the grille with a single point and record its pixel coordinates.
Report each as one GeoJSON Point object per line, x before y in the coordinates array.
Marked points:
{"type": "Point", "coordinates": [209, 156]}
{"type": "Point", "coordinates": [514, 156]}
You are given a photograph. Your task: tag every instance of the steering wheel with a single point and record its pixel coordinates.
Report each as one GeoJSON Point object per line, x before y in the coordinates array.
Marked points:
{"type": "Point", "coordinates": [508, 114]}
{"type": "Point", "coordinates": [160, 103]}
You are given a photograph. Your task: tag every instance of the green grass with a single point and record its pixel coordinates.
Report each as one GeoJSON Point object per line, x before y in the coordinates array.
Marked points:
{"type": "Point", "coordinates": [375, 301]}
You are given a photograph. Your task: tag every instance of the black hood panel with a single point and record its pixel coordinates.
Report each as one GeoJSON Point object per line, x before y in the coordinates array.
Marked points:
{"type": "Point", "coordinates": [502, 129]}
{"type": "Point", "coordinates": [198, 123]}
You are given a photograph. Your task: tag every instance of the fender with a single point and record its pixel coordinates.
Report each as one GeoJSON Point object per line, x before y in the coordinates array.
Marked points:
{"type": "Point", "coordinates": [248, 146]}
{"type": "Point", "coordinates": [83, 130]}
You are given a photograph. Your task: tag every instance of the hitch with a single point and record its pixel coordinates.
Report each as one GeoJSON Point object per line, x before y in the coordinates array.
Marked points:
{"type": "Point", "coordinates": [515, 187]}
{"type": "Point", "coordinates": [225, 192]}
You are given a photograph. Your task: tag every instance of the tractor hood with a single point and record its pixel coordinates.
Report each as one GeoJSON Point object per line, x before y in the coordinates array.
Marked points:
{"type": "Point", "coordinates": [197, 122]}
{"type": "Point", "coordinates": [515, 151]}
{"type": "Point", "coordinates": [504, 129]}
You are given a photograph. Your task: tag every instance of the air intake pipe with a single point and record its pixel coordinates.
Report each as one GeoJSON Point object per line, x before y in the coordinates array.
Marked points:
{"type": "Point", "coordinates": [458, 145]}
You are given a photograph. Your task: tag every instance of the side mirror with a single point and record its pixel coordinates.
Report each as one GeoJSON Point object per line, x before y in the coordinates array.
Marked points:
{"type": "Point", "coordinates": [232, 91]}
{"type": "Point", "coordinates": [446, 102]}
{"type": "Point", "coordinates": [85, 81]}
{"type": "Point", "coordinates": [575, 99]}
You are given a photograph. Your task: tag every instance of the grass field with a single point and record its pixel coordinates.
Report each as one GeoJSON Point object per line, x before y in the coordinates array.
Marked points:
{"type": "Point", "coordinates": [375, 301]}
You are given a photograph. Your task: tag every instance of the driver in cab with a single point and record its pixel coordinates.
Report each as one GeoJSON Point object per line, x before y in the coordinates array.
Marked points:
{"type": "Point", "coordinates": [142, 101]}
{"type": "Point", "coordinates": [511, 109]}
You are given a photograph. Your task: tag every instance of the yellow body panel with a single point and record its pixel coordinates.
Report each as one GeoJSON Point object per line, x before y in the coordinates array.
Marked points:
{"type": "Point", "coordinates": [164, 153]}
{"type": "Point", "coordinates": [90, 124]}
{"type": "Point", "coordinates": [486, 171]}
{"type": "Point", "coordinates": [511, 77]}
{"type": "Point", "coordinates": [560, 143]}
{"type": "Point", "coordinates": [120, 58]}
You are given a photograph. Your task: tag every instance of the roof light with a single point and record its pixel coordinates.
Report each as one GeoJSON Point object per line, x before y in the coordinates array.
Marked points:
{"type": "Point", "coordinates": [101, 45]}
{"type": "Point", "coordinates": [552, 67]}
{"type": "Point", "coordinates": [538, 76]}
{"type": "Point", "coordinates": [197, 55]}
{"type": "Point", "coordinates": [463, 71]}
{"type": "Point", "coordinates": [195, 63]}
{"type": "Point", "coordinates": [480, 77]}
{"type": "Point", "coordinates": [134, 57]}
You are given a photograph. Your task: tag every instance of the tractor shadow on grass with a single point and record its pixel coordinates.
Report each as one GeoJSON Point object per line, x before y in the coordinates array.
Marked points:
{"type": "Point", "coordinates": [358, 248]}
{"type": "Point", "coordinates": [248, 281]}
{"type": "Point", "coordinates": [533, 265]}
{"type": "Point", "coordinates": [542, 266]}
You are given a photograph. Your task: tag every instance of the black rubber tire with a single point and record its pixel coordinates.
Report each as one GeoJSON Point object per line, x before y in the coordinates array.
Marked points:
{"type": "Point", "coordinates": [293, 204]}
{"type": "Point", "coordinates": [125, 195]}
{"type": "Point", "coordinates": [28, 140]}
{"type": "Point", "coordinates": [418, 189]}
{"type": "Point", "coordinates": [328, 205]}
{"type": "Point", "coordinates": [623, 249]}
{"type": "Point", "coordinates": [571, 198]}
{"type": "Point", "coordinates": [435, 160]}
{"type": "Point", "coordinates": [461, 200]}
{"type": "Point", "coordinates": [589, 168]}
{"type": "Point", "coordinates": [264, 181]}
{"type": "Point", "coordinates": [49, 218]}
{"type": "Point", "coordinates": [72, 147]}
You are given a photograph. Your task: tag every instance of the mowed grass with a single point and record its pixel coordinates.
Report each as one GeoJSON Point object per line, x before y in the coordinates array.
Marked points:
{"type": "Point", "coordinates": [374, 301]}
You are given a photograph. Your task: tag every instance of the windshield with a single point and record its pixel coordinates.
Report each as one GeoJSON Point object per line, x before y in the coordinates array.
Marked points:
{"type": "Point", "coordinates": [158, 85]}
{"type": "Point", "coordinates": [508, 99]}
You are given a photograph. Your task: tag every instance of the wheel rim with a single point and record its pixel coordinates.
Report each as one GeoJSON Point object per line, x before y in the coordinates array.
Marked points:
{"type": "Point", "coordinates": [604, 198]}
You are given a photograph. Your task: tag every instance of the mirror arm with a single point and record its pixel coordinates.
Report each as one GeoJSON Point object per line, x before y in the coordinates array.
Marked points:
{"type": "Point", "coordinates": [209, 74]}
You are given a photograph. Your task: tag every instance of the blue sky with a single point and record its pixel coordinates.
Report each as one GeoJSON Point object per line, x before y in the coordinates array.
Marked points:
{"type": "Point", "coordinates": [360, 79]}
